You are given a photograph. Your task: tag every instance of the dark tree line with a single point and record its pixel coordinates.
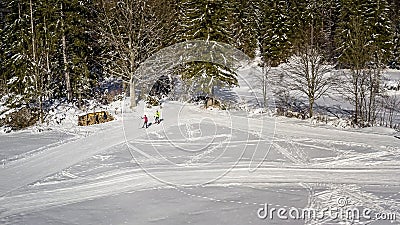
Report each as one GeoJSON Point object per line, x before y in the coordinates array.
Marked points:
{"type": "Point", "coordinates": [61, 50]}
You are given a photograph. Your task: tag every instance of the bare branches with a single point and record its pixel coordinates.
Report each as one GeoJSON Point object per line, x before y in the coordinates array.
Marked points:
{"type": "Point", "coordinates": [308, 73]}
{"type": "Point", "coordinates": [131, 30]}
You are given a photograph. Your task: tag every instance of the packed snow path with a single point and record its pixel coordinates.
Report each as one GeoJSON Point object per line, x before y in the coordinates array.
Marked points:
{"type": "Point", "coordinates": [377, 157]}
{"type": "Point", "coordinates": [53, 160]}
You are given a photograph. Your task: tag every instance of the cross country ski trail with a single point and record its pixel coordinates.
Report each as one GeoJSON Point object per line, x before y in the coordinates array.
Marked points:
{"type": "Point", "coordinates": [293, 141]}
{"type": "Point", "coordinates": [136, 180]}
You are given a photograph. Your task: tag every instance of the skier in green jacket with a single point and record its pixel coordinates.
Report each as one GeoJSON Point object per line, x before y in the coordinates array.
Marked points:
{"type": "Point", "coordinates": [157, 117]}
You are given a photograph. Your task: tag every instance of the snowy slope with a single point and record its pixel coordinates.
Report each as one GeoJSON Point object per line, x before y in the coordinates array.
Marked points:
{"type": "Point", "coordinates": [202, 167]}
{"type": "Point", "coordinates": [198, 167]}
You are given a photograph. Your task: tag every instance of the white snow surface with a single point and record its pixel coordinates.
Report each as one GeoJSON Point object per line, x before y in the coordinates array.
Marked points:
{"type": "Point", "coordinates": [196, 167]}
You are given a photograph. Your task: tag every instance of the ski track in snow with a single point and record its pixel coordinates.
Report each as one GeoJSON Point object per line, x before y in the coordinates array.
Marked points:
{"type": "Point", "coordinates": [346, 168]}
{"type": "Point", "coordinates": [133, 180]}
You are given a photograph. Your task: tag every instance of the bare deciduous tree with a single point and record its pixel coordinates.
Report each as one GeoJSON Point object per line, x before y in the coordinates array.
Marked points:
{"type": "Point", "coordinates": [132, 30]}
{"type": "Point", "coordinates": [390, 107]}
{"type": "Point", "coordinates": [308, 73]}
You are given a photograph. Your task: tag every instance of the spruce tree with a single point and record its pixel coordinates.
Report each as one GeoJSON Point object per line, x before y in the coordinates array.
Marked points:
{"type": "Point", "coordinates": [314, 23]}
{"type": "Point", "coordinates": [244, 20]}
{"type": "Point", "coordinates": [365, 44]}
{"type": "Point", "coordinates": [18, 49]}
{"type": "Point", "coordinates": [209, 21]}
{"type": "Point", "coordinates": [394, 14]}
{"type": "Point", "coordinates": [371, 19]}
{"type": "Point", "coordinates": [206, 20]}
{"type": "Point", "coordinates": [3, 78]}
{"type": "Point", "coordinates": [380, 29]}
{"type": "Point", "coordinates": [274, 31]}
{"type": "Point", "coordinates": [32, 41]}
{"type": "Point", "coordinates": [80, 46]}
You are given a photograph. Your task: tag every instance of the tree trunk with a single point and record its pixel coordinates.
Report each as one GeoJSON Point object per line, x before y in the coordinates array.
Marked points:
{"type": "Point", "coordinates": [355, 83]}
{"type": "Point", "coordinates": [64, 52]}
{"type": "Point", "coordinates": [48, 69]}
{"type": "Point", "coordinates": [371, 97]}
{"type": "Point", "coordinates": [33, 40]}
{"type": "Point", "coordinates": [38, 85]}
{"type": "Point", "coordinates": [265, 72]}
{"type": "Point", "coordinates": [311, 107]}
{"type": "Point", "coordinates": [132, 87]}
{"type": "Point", "coordinates": [264, 91]}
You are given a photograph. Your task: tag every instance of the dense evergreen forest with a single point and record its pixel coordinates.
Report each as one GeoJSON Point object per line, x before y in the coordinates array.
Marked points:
{"type": "Point", "coordinates": [65, 50]}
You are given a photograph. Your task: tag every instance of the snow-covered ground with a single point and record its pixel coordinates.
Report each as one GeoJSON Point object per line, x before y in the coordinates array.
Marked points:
{"type": "Point", "coordinates": [198, 167]}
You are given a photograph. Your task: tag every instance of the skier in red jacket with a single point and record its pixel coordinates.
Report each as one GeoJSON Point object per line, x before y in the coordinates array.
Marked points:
{"type": "Point", "coordinates": [145, 121]}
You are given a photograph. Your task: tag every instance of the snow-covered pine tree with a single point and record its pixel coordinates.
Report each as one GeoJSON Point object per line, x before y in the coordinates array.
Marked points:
{"type": "Point", "coordinates": [327, 16]}
{"type": "Point", "coordinates": [204, 19]}
{"type": "Point", "coordinates": [314, 23]}
{"type": "Point", "coordinates": [395, 61]}
{"type": "Point", "coordinates": [244, 19]}
{"type": "Point", "coordinates": [394, 6]}
{"type": "Point", "coordinates": [353, 52]}
{"type": "Point", "coordinates": [380, 29]}
{"type": "Point", "coordinates": [78, 47]}
{"type": "Point", "coordinates": [298, 20]}
{"type": "Point", "coordinates": [364, 46]}
{"type": "Point", "coordinates": [380, 32]}
{"type": "Point", "coordinates": [274, 31]}
{"type": "Point", "coordinates": [18, 50]}
{"type": "Point", "coordinates": [32, 44]}
{"type": "Point", "coordinates": [3, 78]}
{"type": "Point", "coordinates": [209, 21]}
{"type": "Point", "coordinates": [77, 56]}
{"type": "Point", "coordinates": [47, 46]}
{"type": "Point", "coordinates": [371, 18]}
